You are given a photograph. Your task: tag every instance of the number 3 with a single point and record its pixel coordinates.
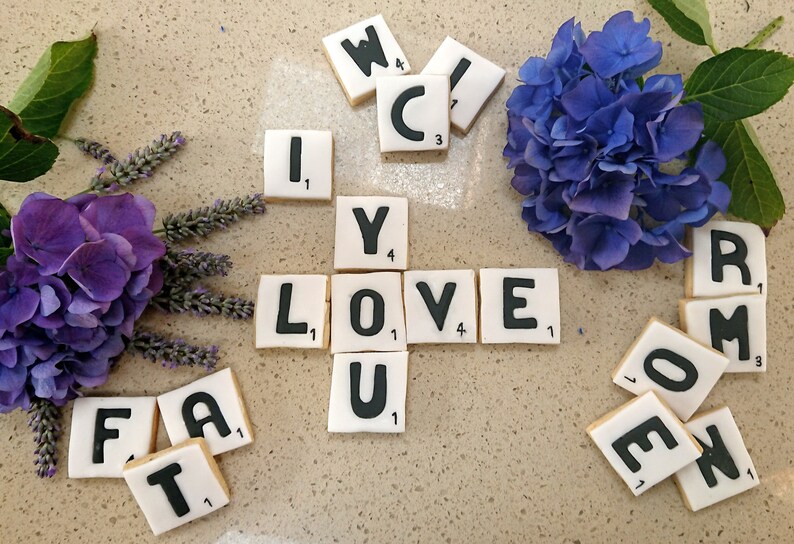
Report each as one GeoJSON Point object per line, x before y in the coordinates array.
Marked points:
{"type": "Point", "coordinates": [439, 139]}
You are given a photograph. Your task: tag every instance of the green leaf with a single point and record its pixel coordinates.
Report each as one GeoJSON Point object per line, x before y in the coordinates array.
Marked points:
{"type": "Point", "coordinates": [679, 22]}
{"type": "Point", "coordinates": [5, 242]}
{"type": "Point", "coordinates": [23, 156]}
{"type": "Point", "coordinates": [755, 195]}
{"type": "Point", "coordinates": [61, 76]}
{"type": "Point", "coordinates": [696, 10]}
{"type": "Point", "coordinates": [740, 83]}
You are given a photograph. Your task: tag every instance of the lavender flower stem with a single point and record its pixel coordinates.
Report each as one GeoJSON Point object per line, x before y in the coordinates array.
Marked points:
{"type": "Point", "coordinates": [202, 303]}
{"type": "Point", "coordinates": [95, 149]}
{"type": "Point", "coordinates": [202, 221]}
{"type": "Point", "coordinates": [172, 353]}
{"type": "Point", "coordinates": [44, 421]}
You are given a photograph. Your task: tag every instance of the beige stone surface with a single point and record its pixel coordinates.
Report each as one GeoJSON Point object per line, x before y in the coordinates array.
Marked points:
{"type": "Point", "coordinates": [495, 448]}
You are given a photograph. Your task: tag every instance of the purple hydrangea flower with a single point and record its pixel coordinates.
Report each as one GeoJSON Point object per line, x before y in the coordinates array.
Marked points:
{"type": "Point", "coordinates": [586, 141]}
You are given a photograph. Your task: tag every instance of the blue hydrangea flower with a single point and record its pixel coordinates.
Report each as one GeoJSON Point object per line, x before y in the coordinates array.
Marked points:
{"type": "Point", "coordinates": [587, 138]}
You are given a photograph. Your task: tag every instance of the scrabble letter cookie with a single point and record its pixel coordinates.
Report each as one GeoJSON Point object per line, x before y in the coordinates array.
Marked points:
{"type": "Point", "coordinates": [644, 442]}
{"type": "Point", "coordinates": [109, 431]}
{"type": "Point", "coordinates": [177, 485]}
{"type": "Point", "coordinates": [299, 164]}
{"type": "Point", "coordinates": [292, 311]}
{"type": "Point", "coordinates": [413, 113]}
{"type": "Point", "coordinates": [211, 408]}
{"type": "Point", "coordinates": [371, 233]}
{"type": "Point", "coordinates": [440, 306]}
{"type": "Point", "coordinates": [368, 393]}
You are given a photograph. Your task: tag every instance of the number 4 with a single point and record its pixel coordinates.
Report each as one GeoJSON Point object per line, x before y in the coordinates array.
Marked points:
{"type": "Point", "coordinates": [400, 64]}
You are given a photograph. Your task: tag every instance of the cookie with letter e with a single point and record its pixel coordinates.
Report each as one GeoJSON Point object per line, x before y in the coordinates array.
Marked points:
{"type": "Point", "coordinates": [292, 311]}
{"type": "Point", "coordinates": [725, 468]}
{"type": "Point", "coordinates": [177, 485]}
{"type": "Point", "coordinates": [371, 233]}
{"type": "Point", "coordinates": [108, 432]}
{"type": "Point", "coordinates": [681, 370]}
{"type": "Point", "coordinates": [413, 113]}
{"type": "Point", "coordinates": [644, 442]}
{"type": "Point", "coordinates": [368, 393]}
{"type": "Point", "coordinates": [211, 408]}
{"type": "Point", "coordinates": [299, 164]}
{"type": "Point", "coordinates": [519, 305]}
{"type": "Point", "coordinates": [728, 258]}
{"type": "Point", "coordinates": [361, 53]}
{"type": "Point", "coordinates": [440, 306]}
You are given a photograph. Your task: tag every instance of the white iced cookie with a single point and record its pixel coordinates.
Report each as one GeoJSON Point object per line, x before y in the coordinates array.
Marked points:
{"type": "Point", "coordinates": [473, 80]}
{"type": "Point", "coordinates": [725, 468]}
{"type": "Point", "coordinates": [211, 408]}
{"type": "Point", "coordinates": [644, 442]}
{"type": "Point", "coordinates": [679, 369]}
{"type": "Point", "coordinates": [440, 306]}
{"type": "Point", "coordinates": [292, 311]}
{"type": "Point", "coordinates": [368, 393]}
{"type": "Point", "coordinates": [519, 305]}
{"type": "Point", "coordinates": [108, 432]}
{"type": "Point", "coordinates": [371, 233]}
{"type": "Point", "coordinates": [413, 113]}
{"type": "Point", "coordinates": [177, 485]}
{"type": "Point", "coordinates": [728, 258]}
{"type": "Point", "coordinates": [361, 53]}
{"type": "Point", "coordinates": [734, 325]}
{"type": "Point", "coordinates": [299, 164]}
{"type": "Point", "coordinates": [367, 312]}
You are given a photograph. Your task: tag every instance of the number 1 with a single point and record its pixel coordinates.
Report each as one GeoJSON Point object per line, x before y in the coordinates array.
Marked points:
{"type": "Point", "coordinates": [394, 415]}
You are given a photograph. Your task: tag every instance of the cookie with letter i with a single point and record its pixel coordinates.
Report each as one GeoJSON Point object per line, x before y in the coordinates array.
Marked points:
{"type": "Point", "coordinates": [368, 393]}
{"type": "Point", "coordinates": [108, 432]}
{"type": "Point", "coordinates": [644, 442]}
{"type": "Point", "coordinates": [211, 408]}
{"type": "Point", "coordinates": [734, 325]}
{"type": "Point", "coordinates": [473, 80]}
{"type": "Point", "coordinates": [413, 113]}
{"type": "Point", "coordinates": [725, 468]}
{"type": "Point", "coordinates": [292, 311]}
{"type": "Point", "coordinates": [440, 306]}
{"type": "Point", "coordinates": [177, 485]}
{"type": "Point", "coordinates": [519, 305]}
{"type": "Point", "coordinates": [681, 370]}
{"type": "Point", "coordinates": [361, 53]}
{"type": "Point", "coordinates": [299, 164]}
{"type": "Point", "coordinates": [728, 258]}
{"type": "Point", "coordinates": [371, 233]}
{"type": "Point", "coordinates": [367, 312]}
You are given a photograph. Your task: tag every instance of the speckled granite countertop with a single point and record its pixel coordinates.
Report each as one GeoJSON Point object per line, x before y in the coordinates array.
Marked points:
{"type": "Point", "coordinates": [495, 448]}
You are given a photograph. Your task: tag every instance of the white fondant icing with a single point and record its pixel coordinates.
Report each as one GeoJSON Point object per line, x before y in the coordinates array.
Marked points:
{"type": "Point", "coordinates": [533, 315]}
{"type": "Point", "coordinates": [413, 113]}
{"type": "Point", "coordinates": [679, 369]}
{"type": "Point", "coordinates": [377, 297]}
{"type": "Point", "coordinates": [303, 311]}
{"type": "Point", "coordinates": [455, 310]}
{"type": "Point", "coordinates": [199, 482]}
{"type": "Point", "coordinates": [232, 430]}
{"type": "Point", "coordinates": [648, 421]}
{"type": "Point", "coordinates": [739, 475]}
{"type": "Point", "coordinates": [359, 244]}
{"type": "Point", "coordinates": [133, 419]}
{"type": "Point", "coordinates": [477, 79]}
{"type": "Point", "coordinates": [374, 45]}
{"type": "Point", "coordinates": [375, 410]}
{"type": "Point", "coordinates": [742, 341]}
{"type": "Point", "coordinates": [298, 164]}
{"type": "Point", "coordinates": [738, 275]}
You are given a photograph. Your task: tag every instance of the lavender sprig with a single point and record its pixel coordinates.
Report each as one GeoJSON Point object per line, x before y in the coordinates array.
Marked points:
{"type": "Point", "coordinates": [139, 164]}
{"type": "Point", "coordinates": [172, 353]}
{"type": "Point", "coordinates": [202, 221]}
{"type": "Point", "coordinates": [202, 302]}
{"type": "Point", "coordinates": [183, 268]}
{"type": "Point", "coordinates": [44, 421]}
{"type": "Point", "coordinates": [95, 149]}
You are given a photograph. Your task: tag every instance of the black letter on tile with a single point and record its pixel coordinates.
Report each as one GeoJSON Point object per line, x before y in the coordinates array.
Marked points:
{"type": "Point", "coordinates": [101, 433]}
{"type": "Point", "coordinates": [283, 326]}
{"type": "Point", "coordinates": [196, 428]}
{"type": "Point", "coordinates": [367, 52]}
{"type": "Point", "coordinates": [295, 150]}
{"type": "Point", "coordinates": [639, 435]}
{"type": "Point", "coordinates": [691, 373]}
{"type": "Point", "coordinates": [370, 230]}
{"type": "Point", "coordinates": [511, 303]}
{"type": "Point", "coordinates": [716, 456]}
{"type": "Point", "coordinates": [373, 408]}
{"type": "Point", "coordinates": [397, 113]}
{"type": "Point", "coordinates": [737, 257]}
{"type": "Point", "coordinates": [458, 72]}
{"type": "Point", "coordinates": [165, 479]}
{"type": "Point", "coordinates": [378, 312]}
{"type": "Point", "coordinates": [736, 327]}
{"type": "Point", "coordinates": [438, 310]}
